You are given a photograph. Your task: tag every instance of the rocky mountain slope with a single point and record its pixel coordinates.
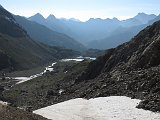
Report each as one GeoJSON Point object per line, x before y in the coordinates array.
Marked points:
{"type": "Point", "coordinates": [10, 113]}
{"type": "Point", "coordinates": [131, 69]}
{"type": "Point", "coordinates": [18, 51]}
{"type": "Point", "coordinates": [47, 36]}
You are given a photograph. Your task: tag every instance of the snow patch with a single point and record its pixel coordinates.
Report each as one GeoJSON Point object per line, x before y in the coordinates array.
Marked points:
{"type": "Point", "coordinates": [103, 108]}
{"type": "Point", "coordinates": [91, 58]}
{"type": "Point", "coordinates": [66, 60]}
{"type": "Point", "coordinates": [3, 103]}
{"type": "Point", "coordinates": [61, 91]}
{"type": "Point", "coordinates": [78, 59]}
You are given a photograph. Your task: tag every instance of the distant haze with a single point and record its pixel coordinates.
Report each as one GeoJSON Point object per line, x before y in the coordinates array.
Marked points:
{"type": "Point", "coordinates": [82, 9]}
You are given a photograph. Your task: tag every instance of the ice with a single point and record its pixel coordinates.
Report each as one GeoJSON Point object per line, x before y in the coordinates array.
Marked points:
{"type": "Point", "coordinates": [103, 108]}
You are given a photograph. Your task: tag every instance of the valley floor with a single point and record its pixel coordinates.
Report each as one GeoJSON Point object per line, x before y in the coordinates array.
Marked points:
{"type": "Point", "coordinates": [102, 108]}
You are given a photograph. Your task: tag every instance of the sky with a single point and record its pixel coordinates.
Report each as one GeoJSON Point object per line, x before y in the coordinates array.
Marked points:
{"type": "Point", "coordinates": [82, 9]}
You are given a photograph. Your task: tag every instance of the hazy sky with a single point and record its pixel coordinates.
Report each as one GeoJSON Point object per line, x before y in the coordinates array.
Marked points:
{"type": "Point", "coordinates": [82, 9]}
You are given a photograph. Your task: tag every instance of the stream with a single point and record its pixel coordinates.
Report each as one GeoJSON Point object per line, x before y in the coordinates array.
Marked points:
{"type": "Point", "coordinates": [47, 69]}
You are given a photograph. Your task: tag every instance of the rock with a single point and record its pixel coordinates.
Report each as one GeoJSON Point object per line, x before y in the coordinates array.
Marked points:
{"type": "Point", "coordinates": [1, 88]}
{"type": "Point", "coordinates": [52, 93]}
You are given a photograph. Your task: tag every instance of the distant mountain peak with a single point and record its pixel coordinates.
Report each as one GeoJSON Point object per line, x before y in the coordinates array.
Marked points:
{"type": "Point", "coordinates": [115, 19]}
{"type": "Point", "coordinates": [94, 19]}
{"type": "Point", "coordinates": [144, 18]}
{"type": "Point", "coordinates": [51, 17]}
{"type": "Point", "coordinates": [91, 19]}
{"type": "Point", "coordinates": [142, 13]}
{"type": "Point", "coordinates": [37, 16]}
{"type": "Point", "coordinates": [73, 19]}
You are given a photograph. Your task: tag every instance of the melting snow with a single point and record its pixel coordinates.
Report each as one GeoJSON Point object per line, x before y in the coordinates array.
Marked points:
{"type": "Point", "coordinates": [104, 108]}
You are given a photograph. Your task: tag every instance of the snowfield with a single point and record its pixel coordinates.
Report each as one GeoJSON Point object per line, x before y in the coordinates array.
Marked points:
{"type": "Point", "coordinates": [103, 108]}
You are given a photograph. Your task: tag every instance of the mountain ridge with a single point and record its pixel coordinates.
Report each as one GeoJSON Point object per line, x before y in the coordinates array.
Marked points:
{"type": "Point", "coordinates": [48, 36]}
{"type": "Point", "coordinates": [126, 34]}
{"type": "Point", "coordinates": [95, 28]}
{"type": "Point", "coordinates": [18, 51]}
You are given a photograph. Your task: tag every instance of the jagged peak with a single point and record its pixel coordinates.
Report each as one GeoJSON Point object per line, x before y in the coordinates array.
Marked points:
{"type": "Point", "coordinates": [94, 19]}
{"type": "Point", "coordinates": [115, 19]}
{"type": "Point", "coordinates": [51, 17]}
{"type": "Point", "coordinates": [74, 19]}
{"type": "Point", "coordinates": [37, 15]}
{"type": "Point", "coordinates": [142, 14]}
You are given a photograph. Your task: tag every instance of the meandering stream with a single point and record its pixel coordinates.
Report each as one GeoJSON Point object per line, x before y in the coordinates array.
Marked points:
{"type": "Point", "coordinates": [47, 69]}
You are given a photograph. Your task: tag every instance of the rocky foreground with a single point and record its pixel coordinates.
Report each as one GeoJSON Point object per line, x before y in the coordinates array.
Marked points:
{"type": "Point", "coordinates": [11, 113]}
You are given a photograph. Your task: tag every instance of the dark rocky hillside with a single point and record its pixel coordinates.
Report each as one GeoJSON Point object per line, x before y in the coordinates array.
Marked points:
{"type": "Point", "coordinates": [5, 61]}
{"type": "Point", "coordinates": [8, 24]}
{"type": "Point", "coordinates": [93, 53]}
{"type": "Point", "coordinates": [131, 69]}
{"type": "Point", "coordinates": [10, 113]}
{"type": "Point", "coordinates": [18, 51]}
